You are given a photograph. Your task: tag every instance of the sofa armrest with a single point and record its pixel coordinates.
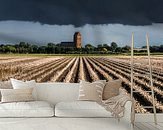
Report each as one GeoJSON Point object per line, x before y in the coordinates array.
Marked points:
{"type": "Point", "coordinates": [128, 112]}
{"type": "Point", "coordinates": [126, 120]}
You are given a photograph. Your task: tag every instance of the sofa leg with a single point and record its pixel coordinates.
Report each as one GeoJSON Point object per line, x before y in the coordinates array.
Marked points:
{"type": "Point", "coordinates": [118, 120]}
{"type": "Point", "coordinates": [132, 126]}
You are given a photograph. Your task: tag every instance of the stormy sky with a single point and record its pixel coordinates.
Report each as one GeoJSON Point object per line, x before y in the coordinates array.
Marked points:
{"type": "Point", "coordinates": [99, 21]}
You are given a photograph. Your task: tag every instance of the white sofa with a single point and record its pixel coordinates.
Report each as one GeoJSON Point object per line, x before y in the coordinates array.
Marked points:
{"type": "Point", "coordinates": [57, 108]}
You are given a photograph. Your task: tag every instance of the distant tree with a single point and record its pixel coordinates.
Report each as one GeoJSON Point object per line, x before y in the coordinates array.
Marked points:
{"type": "Point", "coordinates": [42, 49]}
{"type": "Point", "coordinates": [104, 50]}
{"type": "Point", "coordinates": [50, 48]}
{"type": "Point", "coordinates": [34, 49]}
{"type": "Point", "coordinates": [9, 49]}
{"type": "Point", "coordinates": [99, 46]}
{"type": "Point", "coordinates": [17, 48]}
{"type": "Point", "coordinates": [22, 47]}
{"type": "Point", "coordinates": [154, 48]}
{"type": "Point", "coordinates": [78, 50]}
{"type": "Point", "coordinates": [144, 47]}
{"type": "Point", "coordinates": [89, 48]}
{"type": "Point", "coordinates": [22, 44]}
{"type": "Point", "coordinates": [70, 50]}
{"type": "Point", "coordinates": [113, 46]}
{"type": "Point", "coordinates": [63, 50]}
{"type": "Point", "coordinates": [161, 48]}
{"type": "Point", "coordinates": [126, 48]}
{"type": "Point", "coordinates": [2, 50]}
{"type": "Point", "coordinates": [118, 50]}
{"type": "Point", "coordinates": [105, 45]}
{"type": "Point", "coordinates": [12, 49]}
{"type": "Point", "coordinates": [58, 50]}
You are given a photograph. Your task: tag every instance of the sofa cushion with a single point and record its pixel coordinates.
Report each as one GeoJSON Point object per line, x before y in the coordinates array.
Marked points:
{"type": "Point", "coordinates": [91, 91]}
{"type": "Point", "coordinates": [16, 95]}
{"type": "Point", "coordinates": [18, 84]}
{"type": "Point", "coordinates": [5, 85]}
{"type": "Point", "coordinates": [111, 89]}
{"type": "Point", "coordinates": [26, 109]}
{"type": "Point", "coordinates": [80, 109]}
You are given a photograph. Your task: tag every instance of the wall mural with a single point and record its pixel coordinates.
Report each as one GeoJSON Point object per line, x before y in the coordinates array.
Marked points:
{"type": "Point", "coordinates": [69, 41]}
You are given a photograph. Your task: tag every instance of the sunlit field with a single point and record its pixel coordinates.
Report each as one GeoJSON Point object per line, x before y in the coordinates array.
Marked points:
{"type": "Point", "coordinates": [46, 68]}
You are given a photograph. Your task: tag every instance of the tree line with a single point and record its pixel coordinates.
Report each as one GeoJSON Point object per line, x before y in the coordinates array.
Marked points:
{"type": "Point", "coordinates": [51, 48]}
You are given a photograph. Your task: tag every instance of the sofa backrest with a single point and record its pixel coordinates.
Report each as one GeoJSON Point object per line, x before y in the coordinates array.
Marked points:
{"type": "Point", "coordinates": [57, 92]}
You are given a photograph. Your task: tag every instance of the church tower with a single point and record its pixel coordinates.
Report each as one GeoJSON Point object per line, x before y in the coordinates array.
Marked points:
{"type": "Point", "coordinates": [77, 40]}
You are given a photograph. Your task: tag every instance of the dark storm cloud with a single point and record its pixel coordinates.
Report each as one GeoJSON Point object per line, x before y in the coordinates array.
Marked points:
{"type": "Point", "coordinates": [81, 12]}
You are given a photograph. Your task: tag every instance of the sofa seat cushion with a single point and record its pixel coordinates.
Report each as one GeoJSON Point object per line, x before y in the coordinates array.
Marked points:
{"type": "Point", "coordinates": [26, 109]}
{"type": "Point", "coordinates": [80, 109]}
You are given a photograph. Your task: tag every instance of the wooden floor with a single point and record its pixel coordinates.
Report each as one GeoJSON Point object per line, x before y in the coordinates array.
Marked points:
{"type": "Point", "coordinates": [148, 126]}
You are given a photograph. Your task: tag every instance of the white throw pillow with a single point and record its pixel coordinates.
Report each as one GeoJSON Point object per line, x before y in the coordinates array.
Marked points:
{"type": "Point", "coordinates": [18, 84]}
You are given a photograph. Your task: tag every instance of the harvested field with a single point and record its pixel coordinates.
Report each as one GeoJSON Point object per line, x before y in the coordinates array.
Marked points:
{"type": "Point", "coordinates": [72, 69]}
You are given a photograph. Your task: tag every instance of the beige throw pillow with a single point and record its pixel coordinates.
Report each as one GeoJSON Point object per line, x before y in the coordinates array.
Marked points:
{"type": "Point", "coordinates": [5, 85]}
{"type": "Point", "coordinates": [91, 91]}
{"type": "Point", "coordinates": [19, 84]}
{"type": "Point", "coordinates": [16, 95]}
{"type": "Point", "coordinates": [111, 89]}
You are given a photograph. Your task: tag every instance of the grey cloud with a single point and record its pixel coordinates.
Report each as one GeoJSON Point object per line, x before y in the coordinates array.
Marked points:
{"type": "Point", "coordinates": [81, 12]}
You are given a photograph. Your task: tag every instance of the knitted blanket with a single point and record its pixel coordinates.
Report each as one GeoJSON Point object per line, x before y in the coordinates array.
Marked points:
{"type": "Point", "coordinates": [116, 105]}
